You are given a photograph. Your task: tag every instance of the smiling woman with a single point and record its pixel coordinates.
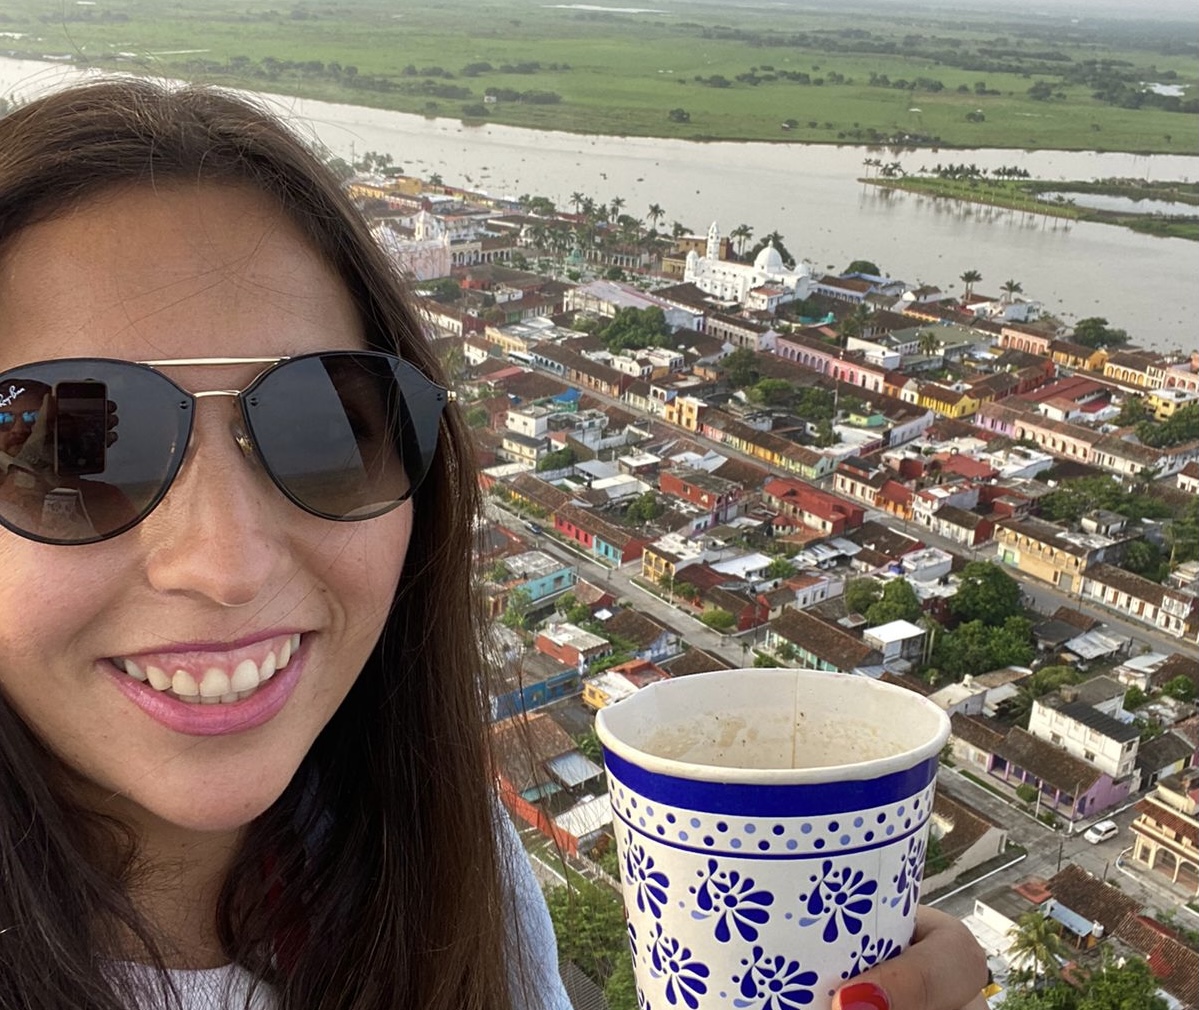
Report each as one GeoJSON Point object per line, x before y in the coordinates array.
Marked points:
{"type": "Point", "coordinates": [242, 741]}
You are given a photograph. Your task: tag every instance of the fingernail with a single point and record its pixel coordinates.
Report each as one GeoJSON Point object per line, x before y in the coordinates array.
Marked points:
{"type": "Point", "coordinates": [863, 996]}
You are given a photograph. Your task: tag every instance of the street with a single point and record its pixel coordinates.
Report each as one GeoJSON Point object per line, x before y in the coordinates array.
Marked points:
{"type": "Point", "coordinates": [1049, 851]}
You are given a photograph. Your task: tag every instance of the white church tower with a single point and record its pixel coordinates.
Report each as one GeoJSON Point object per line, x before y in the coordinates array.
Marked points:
{"type": "Point", "coordinates": [713, 252]}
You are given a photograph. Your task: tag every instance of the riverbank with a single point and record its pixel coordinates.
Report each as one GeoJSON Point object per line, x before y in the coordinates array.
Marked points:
{"type": "Point", "coordinates": [775, 75]}
{"type": "Point", "coordinates": [1025, 196]}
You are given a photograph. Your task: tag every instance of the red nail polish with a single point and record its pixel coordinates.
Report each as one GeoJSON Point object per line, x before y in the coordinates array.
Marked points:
{"type": "Point", "coordinates": [863, 996]}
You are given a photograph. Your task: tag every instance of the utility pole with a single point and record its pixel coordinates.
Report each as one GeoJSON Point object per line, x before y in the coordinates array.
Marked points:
{"type": "Point", "coordinates": [1060, 845]}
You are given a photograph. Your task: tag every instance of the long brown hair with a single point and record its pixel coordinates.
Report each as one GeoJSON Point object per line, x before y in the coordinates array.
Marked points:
{"type": "Point", "coordinates": [373, 882]}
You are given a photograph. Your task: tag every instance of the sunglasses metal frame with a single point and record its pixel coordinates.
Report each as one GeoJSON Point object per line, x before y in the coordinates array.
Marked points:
{"type": "Point", "coordinates": [243, 439]}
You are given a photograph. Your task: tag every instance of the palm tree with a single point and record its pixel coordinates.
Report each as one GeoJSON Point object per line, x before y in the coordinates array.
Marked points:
{"type": "Point", "coordinates": [677, 229]}
{"type": "Point", "coordinates": [1037, 946]}
{"type": "Point", "coordinates": [1011, 289]}
{"type": "Point", "coordinates": [576, 200]}
{"type": "Point", "coordinates": [854, 325]}
{"type": "Point", "coordinates": [655, 214]}
{"type": "Point", "coordinates": [616, 205]}
{"type": "Point", "coordinates": [929, 344]}
{"type": "Point", "coordinates": [741, 235]}
{"type": "Point", "coordinates": [970, 278]}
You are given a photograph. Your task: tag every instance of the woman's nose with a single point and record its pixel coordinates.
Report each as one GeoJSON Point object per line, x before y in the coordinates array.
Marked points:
{"type": "Point", "coordinates": [221, 532]}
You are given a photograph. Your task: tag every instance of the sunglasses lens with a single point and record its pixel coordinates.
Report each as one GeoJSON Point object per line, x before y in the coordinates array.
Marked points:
{"type": "Point", "coordinates": [345, 435]}
{"type": "Point", "coordinates": [87, 448]}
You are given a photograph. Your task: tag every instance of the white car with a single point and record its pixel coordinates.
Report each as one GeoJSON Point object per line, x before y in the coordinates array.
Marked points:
{"type": "Point", "coordinates": [1101, 832]}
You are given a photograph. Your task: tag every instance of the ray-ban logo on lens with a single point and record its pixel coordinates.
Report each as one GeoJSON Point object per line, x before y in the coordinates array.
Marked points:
{"type": "Point", "coordinates": [9, 398]}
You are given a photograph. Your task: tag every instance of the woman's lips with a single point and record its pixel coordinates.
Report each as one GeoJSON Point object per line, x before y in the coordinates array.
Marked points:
{"type": "Point", "coordinates": [188, 701]}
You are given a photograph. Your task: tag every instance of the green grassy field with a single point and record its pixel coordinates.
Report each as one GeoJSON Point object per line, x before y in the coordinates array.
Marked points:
{"type": "Point", "coordinates": [624, 73]}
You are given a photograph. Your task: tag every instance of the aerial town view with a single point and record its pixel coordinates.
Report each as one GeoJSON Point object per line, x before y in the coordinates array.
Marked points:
{"type": "Point", "coordinates": [935, 423]}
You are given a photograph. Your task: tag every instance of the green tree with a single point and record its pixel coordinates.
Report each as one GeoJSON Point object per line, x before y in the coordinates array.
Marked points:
{"type": "Point", "coordinates": [1145, 558]}
{"type": "Point", "coordinates": [717, 619]}
{"type": "Point", "coordinates": [741, 367]}
{"type": "Point", "coordinates": [780, 568]}
{"type": "Point", "coordinates": [1181, 426]}
{"type": "Point", "coordinates": [655, 214]}
{"type": "Point", "coordinates": [1046, 679]}
{"type": "Point", "coordinates": [898, 602]}
{"type": "Point", "coordinates": [588, 743]}
{"type": "Point", "coordinates": [634, 329]}
{"type": "Point", "coordinates": [1181, 688]}
{"type": "Point", "coordinates": [1073, 499]}
{"type": "Point", "coordinates": [1121, 987]}
{"type": "Point", "coordinates": [986, 593]}
{"type": "Point", "coordinates": [974, 648]}
{"type": "Point", "coordinates": [516, 613]}
{"type": "Point", "coordinates": [1132, 411]}
{"type": "Point", "coordinates": [862, 594]}
{"type": "Point", "coordinates": [1011, 288]}
{"type": "Point", "coordinates": [1038, 946]}
{"type": "Point", "coordinates": [644, 507]}
{"type": "Point", "coordinates": [970, 278]}
{"type": "Point", "coordinates": [679, 116]}
{"type": "Point", "coordinates": [771, 392]}
{"type": "Point", "coordinates": [557, 460]}
{"type": "Point", "coordinates": [864, 267]}
{"type": "Point", "coordinates": [928, 343]}
{"type": "Point", "coordinates": [590, 928]}
{"type": "Point", "coordinates": [1134, 698]}
{"type": "Point", "coordinates": [1094, 332]}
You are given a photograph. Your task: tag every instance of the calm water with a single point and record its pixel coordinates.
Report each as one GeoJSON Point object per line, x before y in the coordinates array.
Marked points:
{"type": "Point", "coordinates": [1124, 204]}
{"type": "Point", "coordinates": [811, 195]}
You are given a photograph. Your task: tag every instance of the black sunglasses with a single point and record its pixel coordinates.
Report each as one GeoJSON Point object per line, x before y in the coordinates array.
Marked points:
{"type": "Point", "coordinates": [346, 435]}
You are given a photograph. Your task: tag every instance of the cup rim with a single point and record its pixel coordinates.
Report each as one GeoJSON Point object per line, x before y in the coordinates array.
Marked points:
{"type": "Point", "coordinates": [856, 771]}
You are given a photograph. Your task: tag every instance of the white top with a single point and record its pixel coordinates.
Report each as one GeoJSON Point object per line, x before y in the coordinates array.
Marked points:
{"type": "Point", "coordinates": [226, 988]}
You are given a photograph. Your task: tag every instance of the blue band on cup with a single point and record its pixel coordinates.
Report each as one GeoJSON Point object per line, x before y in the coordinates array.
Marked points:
{"type": "Point", "coordinates": [750, 800]}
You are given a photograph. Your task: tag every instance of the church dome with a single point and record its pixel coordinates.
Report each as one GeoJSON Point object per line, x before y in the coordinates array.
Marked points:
{"type": "Point", "coordinates": [769, 261]}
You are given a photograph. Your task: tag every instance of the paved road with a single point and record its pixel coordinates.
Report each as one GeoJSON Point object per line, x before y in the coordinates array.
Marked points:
{"type": "Point", "coordinates": [1050, 850]}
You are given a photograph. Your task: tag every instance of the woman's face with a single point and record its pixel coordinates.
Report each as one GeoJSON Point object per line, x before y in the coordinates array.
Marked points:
{"type": "Point", "coordinates": [225, 571]}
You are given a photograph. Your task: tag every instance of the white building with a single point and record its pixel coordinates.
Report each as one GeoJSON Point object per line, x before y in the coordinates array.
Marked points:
{"type": "Point", "coordinates": [734, 282]}
{"type": "Point", "coordinates": [424, 257]}
{"type": "Point", "coordinates": [1085, 732]}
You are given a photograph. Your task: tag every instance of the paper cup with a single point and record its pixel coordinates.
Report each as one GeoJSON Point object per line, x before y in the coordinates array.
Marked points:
{"type": "Point", "coordinates": [771, 827]}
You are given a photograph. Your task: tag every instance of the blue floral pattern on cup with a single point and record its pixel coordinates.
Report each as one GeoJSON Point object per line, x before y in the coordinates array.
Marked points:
{"type": "Point", "coordinates": [874, 950]}
{"type": "Point", "coordinates": [648, 884]}
{"type": "Point", "coordinates": [685, 974]}
{"type": "Point", "coordinates": [774, 983]}
{"type": "Point", "coordinates": [840, 894]}
{"type": "Point", "coordinates": [911, 870]}
{"type": "Point", "coordinates": [734, 900]}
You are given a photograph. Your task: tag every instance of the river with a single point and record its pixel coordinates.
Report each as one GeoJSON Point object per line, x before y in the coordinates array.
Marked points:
{"type": "Point", "coordinates": [810, 194]}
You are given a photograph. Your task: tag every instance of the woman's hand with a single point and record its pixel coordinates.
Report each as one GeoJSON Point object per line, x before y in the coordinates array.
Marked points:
{"type": "Point", "coordinates": [943, 969]}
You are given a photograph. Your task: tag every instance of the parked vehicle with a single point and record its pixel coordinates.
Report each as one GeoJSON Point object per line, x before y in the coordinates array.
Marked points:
{"type": "Point", "coordinates": [1101, 832]}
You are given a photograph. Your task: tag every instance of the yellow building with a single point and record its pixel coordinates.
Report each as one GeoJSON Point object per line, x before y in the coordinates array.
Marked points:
{"type": "Point", "coordinates": [1164, 402]}
{"type": "Point", "coordinates": [947, 402]}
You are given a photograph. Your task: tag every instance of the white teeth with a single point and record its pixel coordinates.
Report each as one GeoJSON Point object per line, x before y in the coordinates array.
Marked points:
{"type": "Point", "coordinates": [158, 680]}
{"type": "Point", "coordinates": [215, 683]}
{"type": "Point", "coordinates": [245, 677]}
{"type": "Point", "coordinates": [215, 686]}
